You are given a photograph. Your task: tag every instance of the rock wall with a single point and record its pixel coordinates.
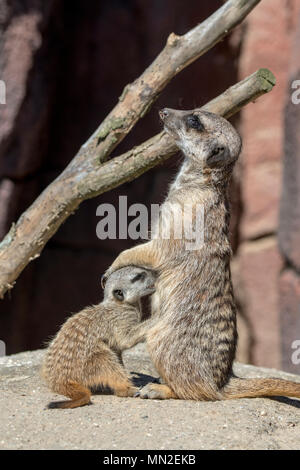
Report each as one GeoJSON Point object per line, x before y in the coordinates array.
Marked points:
{"type": "Point", "coordinates": [268, 42]}
{"type": "Point", "coordinates": [289, 225]}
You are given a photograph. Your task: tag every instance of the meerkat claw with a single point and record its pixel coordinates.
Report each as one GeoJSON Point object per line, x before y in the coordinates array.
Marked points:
{"type": "Point", "coordinates": [150, 392]}
{"type": "Point", "coordinates": [155, 391]}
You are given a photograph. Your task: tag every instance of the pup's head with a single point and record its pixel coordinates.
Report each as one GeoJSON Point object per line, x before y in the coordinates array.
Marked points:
{"type": "Point", "coordinates": [129, 284]}
{"type": "Point", "coordinates": [205, 138]}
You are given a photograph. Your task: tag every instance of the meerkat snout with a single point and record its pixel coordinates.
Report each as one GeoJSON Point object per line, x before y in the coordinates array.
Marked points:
{"type": "Point", "coordinates": [164, 113]}
{"type": "Point", "coordinates": [168, 117]}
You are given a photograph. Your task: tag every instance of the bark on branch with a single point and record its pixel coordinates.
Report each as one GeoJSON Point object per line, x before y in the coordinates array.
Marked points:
{"type": "Point", "coordinates": [36, 226]}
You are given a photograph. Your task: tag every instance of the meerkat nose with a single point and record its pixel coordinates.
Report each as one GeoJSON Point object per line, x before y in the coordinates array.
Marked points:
{"type": "Point", "coordinates": [164, 113]}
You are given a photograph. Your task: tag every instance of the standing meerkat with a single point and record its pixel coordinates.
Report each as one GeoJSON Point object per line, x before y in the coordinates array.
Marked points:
{"type": "Point", "coordinates": [193, 341]}
{"type": "Point", "coordinates": [87, 350]}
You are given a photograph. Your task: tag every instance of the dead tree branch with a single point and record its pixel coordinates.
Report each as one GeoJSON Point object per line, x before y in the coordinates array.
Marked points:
{"type": "Point", "coordinates": [137, 97]}
{"type": "Point", "coordinates": [159, 148]}
{"type": "Point", "coordinates": [41, 220]}
{"type": "Point", "coordinates": [87, 175]}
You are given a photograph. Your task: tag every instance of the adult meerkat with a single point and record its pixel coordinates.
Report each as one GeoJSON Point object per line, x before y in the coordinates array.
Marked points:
{"type": "Point", "coordinates": [193, 341]}
{"type": "Point", "coordinates": [87, 350]}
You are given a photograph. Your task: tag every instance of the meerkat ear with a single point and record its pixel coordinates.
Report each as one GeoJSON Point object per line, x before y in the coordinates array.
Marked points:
{"type": "Point", "coordinates": [103, 281]}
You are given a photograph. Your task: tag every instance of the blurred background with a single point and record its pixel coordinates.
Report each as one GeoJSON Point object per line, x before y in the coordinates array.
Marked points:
{"type": "Point", "coordinates": [64, 65]}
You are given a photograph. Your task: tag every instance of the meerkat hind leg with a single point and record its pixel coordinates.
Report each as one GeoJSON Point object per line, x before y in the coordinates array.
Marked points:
{"type": "Point", "coordinates": [121, 385]}
{"type": "Point", "coordinates": [156, 392]}
{"type": "Point", "coordinates": [79, 395]}
{"type": "Point", "coordinates": [116, 378]}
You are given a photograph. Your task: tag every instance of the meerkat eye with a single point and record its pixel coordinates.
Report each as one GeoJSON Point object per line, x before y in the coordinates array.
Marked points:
{"type": "Point", "coordinates": [139, 277]}
{"type": "Point", "coordinates": [217, 151]}
{"type": "Point", "coordinates": [118, 294]}
{"type": "Point", "coordinates": [215, 156]}
{"type": "Point", "coordinates": [193, 122]}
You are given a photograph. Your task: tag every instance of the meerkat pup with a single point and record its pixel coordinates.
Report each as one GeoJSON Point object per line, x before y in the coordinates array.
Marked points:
{"type": "Point", "coordinates": [86, 352]}
{"type": "Point", "coordinates": [193, 341]}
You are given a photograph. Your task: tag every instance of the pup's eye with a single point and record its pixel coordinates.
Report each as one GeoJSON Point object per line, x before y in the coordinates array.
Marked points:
{"type": "Point", "coordinates": [193, 122]}
{"type": "Point", "coordinates": [118, 294]}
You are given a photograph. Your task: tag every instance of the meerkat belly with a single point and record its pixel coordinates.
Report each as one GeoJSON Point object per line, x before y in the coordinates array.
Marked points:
{"type": "Point", "coordinates": [194, 337]}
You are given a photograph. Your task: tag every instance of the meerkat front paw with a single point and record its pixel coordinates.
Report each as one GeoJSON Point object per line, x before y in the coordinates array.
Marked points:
{"type": "Point", "coordinates": [156, 392]}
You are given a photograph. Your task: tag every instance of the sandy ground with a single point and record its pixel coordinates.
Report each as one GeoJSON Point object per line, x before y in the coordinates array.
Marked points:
{"type": "Point", "coordinates": [132, 423]}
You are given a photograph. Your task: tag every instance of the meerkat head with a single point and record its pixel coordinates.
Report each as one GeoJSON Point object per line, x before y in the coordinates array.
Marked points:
{"type": "Point", "coordinates": [205, 138]}
{"type": "Point", "coordinates": [129, 284]}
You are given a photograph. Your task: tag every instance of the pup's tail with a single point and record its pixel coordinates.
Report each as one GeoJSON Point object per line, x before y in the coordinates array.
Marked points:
{"type": "Point", "coordinates": [251, 388]}
{"type": "Point", "coordinates": [79, 395]}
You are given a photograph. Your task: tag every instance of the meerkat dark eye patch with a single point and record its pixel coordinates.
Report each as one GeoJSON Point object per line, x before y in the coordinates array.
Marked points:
{"type": "Point", "coordinates": [217, 151]}
{"type": "Point", "coordinates": [216, 155]}
{"type": "Point", "coordinates": [193, 122]}
{"type": "Point", "coordinates": [118, 294]}
{"type": "Point", "coordinates": [139, 277]}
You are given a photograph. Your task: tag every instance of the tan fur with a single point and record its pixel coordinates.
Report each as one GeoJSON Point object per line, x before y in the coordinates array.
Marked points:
{"type": "Point", "coordinates": [87, 350]}
{"type": "Point", "coordinates": [193, 341]}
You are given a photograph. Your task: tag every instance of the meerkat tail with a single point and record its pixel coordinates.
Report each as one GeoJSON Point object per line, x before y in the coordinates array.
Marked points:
{"type": "Point", "coordinates": [79, 395]}
{"type": "Point", "coordinates": [251, 388]}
